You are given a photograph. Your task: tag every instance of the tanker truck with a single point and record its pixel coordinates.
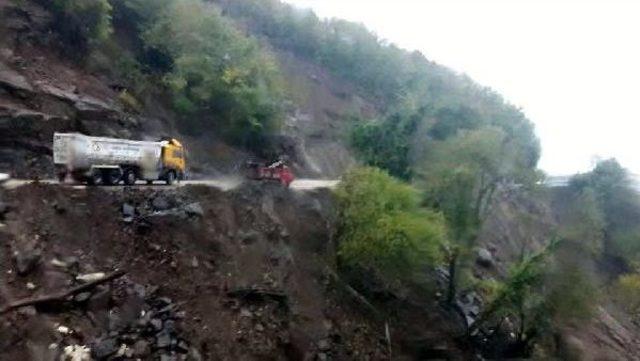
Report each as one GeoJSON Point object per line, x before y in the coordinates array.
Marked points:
{"type": "Point", "coordinates": [109, 161]}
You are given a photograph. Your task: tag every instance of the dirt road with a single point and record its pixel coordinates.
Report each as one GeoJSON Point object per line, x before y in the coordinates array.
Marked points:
{"type": "Point", "coordinates": [222, 183]}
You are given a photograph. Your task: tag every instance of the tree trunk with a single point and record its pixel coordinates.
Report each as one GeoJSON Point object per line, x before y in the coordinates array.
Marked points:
{"type": "Point", "coordinates": [453, 265]}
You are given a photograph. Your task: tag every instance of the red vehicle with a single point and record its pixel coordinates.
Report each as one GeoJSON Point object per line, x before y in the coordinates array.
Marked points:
{"type": "Point", "coordinates": [277, 171]}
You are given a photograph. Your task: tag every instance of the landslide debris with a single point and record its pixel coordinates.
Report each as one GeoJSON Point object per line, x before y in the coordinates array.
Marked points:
{"type": "Point", "coordinates": [236, 275]}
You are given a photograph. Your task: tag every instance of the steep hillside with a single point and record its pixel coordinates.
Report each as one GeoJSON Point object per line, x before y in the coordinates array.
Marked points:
{"type": "Point", "coordinates": [441, 244]}
{"type": "Point", "coordinates": [241, 275]}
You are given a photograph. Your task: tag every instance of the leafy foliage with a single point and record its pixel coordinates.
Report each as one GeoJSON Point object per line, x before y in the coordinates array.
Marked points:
{"type": "Point", "coordinates": [382, 227]}
{"type": "Point", "coordinates": [544, 291]}
{"type": "Point", "coordinates": [404, 83]}
{"type": "Point", "coordinates": [219, 76]}
{"type": "Point", "coordinates": [619, 204]}
{"type": "Point", "coordinates": [385, 144]}
{"type": "Point", "coordinates": [584, 221]}
{"type": "Point", "coordinates": [81, 24]}
{"type": "Point", "coordinates": [461, 174]}
{"type": "Point", "coordinates": [627, 292]}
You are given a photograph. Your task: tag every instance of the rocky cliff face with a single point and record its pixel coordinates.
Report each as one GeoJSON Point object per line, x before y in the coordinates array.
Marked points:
{"type": "Point", "coordinates": [42, 91]}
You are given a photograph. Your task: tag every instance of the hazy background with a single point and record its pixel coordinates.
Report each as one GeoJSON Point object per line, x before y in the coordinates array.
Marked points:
{"type": "Point", "coordinates": [573, 66]}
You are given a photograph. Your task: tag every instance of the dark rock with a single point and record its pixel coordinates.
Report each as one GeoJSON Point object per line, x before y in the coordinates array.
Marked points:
{"type": "Point", "coordinates": [141, 348]}
{"type": "Point", "coordinates": [128, 211]}
{"type": "Point", "coordinates": [166, 357]}
{"type": "Point", "coordinates": [484, 258]}
{"type": "Point", "coordinates": [82, 297]}
{"type": "Point", "coordinates": [28, 311]}
{"type": "Point", "coordinates": [194, 355]}
{"type": "Point", "coordinates": [160, 203]}
{"type": "Point", "coordinates": [324, 345]}
{"type": "Point", "coordinates": [248, 237]}
{"type": "Point", "coordinates": [322, 356]}
{"type": "Point", "coordinates": [100, 300]}
{"type": "Point", "coordinates": [104, 348]}
{"type": "Point", "coordinates": [4, 209]}
{"type": "Point", "coordinates": [163, 301]}
{"type": "Point", "coordinates": [27, 261]}
{"type": "Point", "coordinates": [170, 326]}
{"type": "Point", "coordinates": [194, 209]}
{"type": "Point", "coordinates": [163, 339]}
{"type": "Point", "coordinates": [183, 346]}
{"type": "Point", "coordinates": [12, 80]}
{"type": "Point", "coordinates": [115, 321]}
{"type": "Point", "coordinates": [58, 208]}
{"type": "Point", "coordinates": [156, 324]}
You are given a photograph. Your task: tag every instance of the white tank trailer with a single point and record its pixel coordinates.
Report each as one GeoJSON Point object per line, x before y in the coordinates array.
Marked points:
{"type": "Point", "coordinates": [100, 160]}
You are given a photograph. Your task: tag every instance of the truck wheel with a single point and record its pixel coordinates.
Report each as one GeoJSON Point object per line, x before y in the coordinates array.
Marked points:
{"type": "Point", "coordinates": [129, 177]}
{"type": "Point", "coordinates": [110, 177]}
{"type": "Point", "coordinates": [171, 177]}
{"type": "Point", "coordinates": [95, 178]}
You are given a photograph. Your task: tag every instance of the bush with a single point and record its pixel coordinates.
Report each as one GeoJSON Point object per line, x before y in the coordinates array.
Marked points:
{"type": "Point", "coordinates": [626, 291]}
{"type": "Point", "coordinates": [383, 228]}
{"type": "Point", "coordinates": [219, 76]}
{"type": "Point", "coordinates": [81, 23]}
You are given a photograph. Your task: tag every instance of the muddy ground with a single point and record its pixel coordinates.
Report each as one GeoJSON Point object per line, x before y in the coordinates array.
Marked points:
{"type": "Point", "coordinates": [212, 275]}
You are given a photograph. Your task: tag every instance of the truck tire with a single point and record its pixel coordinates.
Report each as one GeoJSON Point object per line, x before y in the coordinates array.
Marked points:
{"type": "Point", "coordinates": [95, 178]}
{"type": "Point", "coordinates": [129, 177]}
{"type": "Point", "coordinates": [170, 178]}
{"type": "Point", "coordinates": [111, 176]}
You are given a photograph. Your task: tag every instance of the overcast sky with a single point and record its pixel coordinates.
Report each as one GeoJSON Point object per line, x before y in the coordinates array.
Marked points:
{"type": "Point", "coordinates": [573, 66]}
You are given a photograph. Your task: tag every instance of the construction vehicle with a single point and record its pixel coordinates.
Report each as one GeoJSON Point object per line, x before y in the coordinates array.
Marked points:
{"type": "Point", "coordinates": [109, 161]}
{"type": "Point", "coordinates": [277, 171]}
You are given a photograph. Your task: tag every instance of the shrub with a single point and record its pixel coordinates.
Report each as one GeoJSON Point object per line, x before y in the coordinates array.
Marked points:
{"type": "Point", "coordinates": [219, 76]}
{"type": "Point", "coordinates": [383, 228]}
{"type": "Point", "coordinates": [81, 23]}
{"type": "Point", "coordinates": [627, 292]}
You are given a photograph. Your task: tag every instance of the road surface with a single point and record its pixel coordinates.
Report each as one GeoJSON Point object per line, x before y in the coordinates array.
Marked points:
{"type": "Point", "coordinates": [222, 183]}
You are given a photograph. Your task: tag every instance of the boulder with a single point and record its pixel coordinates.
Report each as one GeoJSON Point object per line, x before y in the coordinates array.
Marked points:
{"type": "Point", "coordinates": [163, 339]}
{"type": "Point", "coordinates": [484, 258]}
{"type": "Point", "coordinates": [160, 203]}
{"type": "Point", "coordinates": [194, 209]}
{"type": "Point", "coordinates": [4, 209]}
{"type": "Point", "coordinates": [141, 348]}
{"type": "Point", "coordinates": [104, 348]}
{"type": "Point", "coordinates": [571, 348]}
{"type": "Point", "coordinates": [13, 81]}
{"type": "Point", "coordinates": [27, 260]}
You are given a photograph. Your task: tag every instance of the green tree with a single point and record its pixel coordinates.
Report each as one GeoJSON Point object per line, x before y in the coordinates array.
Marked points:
{"type": "Point", "coordinates": [626, 291]}
{"type": "Point", "coordinates": [461, 175]}
{"type": "Point", "coordinates": [619, 203]}
{"type": "Point", "coordinates": [583, 220]}
{"type": "Point", "coordinates": [81, 24]}
{"type": "Point", "coordinates": [220, 77]}
{"type": "Point", "coordinates": [544, 292]}
{"type": "Point", "coordinates": [382, 227]}
{"type": "Point", "coordinates": [386, 143]}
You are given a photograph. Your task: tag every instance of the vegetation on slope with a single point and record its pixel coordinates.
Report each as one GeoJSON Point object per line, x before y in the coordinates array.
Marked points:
{"type": "Point", "coordinates": [382, 227]}
{"type": "Point", "coordinates": [458, 143]}
{"type": "Point", "coordinates": [216, 75]}
{"type": "Point", "coordinates": [410, 89]}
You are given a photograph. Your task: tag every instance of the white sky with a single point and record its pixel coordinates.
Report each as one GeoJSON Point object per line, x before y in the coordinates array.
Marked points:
{"type": "Point", "coordinates": [572, 65]}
